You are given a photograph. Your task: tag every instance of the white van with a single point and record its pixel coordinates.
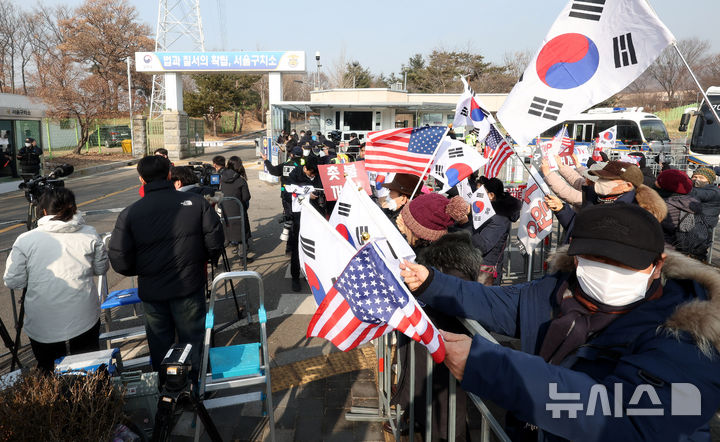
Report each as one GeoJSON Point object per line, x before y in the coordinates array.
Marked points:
{"type": "Point", "coordinates": [636, 130]}
{"type": "Point", "coordinates": [704, 144]}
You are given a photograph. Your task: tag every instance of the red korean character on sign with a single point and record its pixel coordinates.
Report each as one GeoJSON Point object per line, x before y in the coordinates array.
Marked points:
{"type": "Point", "coordinates": [541, 215]}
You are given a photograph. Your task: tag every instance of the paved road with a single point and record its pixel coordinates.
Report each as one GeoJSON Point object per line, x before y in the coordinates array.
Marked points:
{"type": "Point", "coordinates": [288, 312]}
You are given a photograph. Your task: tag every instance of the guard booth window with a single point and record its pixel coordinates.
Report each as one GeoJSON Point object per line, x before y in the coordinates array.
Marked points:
{"type": "Point", "coordinates": [358, 121]}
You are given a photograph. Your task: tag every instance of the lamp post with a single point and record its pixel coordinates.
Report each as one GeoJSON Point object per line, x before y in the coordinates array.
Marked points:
{"type": "Point", "coordinates": [317, 71]}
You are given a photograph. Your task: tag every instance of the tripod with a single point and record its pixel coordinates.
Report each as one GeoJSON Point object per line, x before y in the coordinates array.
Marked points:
{"type": "Point", "coordinates": [7, 340]}
{"type": "Point", "coordinates": [170, 406]}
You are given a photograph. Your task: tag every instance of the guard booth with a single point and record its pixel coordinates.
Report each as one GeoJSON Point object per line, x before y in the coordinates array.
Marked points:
{"type": "Point", "coordinates": [370, 109]}
{"type": "Point", "coordinates": [20, 118]}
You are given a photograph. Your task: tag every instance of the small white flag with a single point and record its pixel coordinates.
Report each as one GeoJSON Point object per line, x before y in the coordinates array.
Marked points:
{"type": "Point", "coordinates": [606, 139]}
{"type": "Point", "coordinates": [359, 220]}
{"type": "Point", "coordinates": [469, 111]}
{"type": "Point", "coordinates": [299, 195]}
{"type": "Point", "coordinates": [536, 218]}
{"type": "Point", "coordinates": [323, 252]}
{"type": "Point", "coordinates": [455, 161]}
{"type": "Point", "coordinates": [481, 207]}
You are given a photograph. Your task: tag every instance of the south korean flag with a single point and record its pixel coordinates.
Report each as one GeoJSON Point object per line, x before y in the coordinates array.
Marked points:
{"type": "Point", "coordinates": [359, 221]}
{"type": "Point", "coordinates": [455, 161]}
{"type": "Point", "coordinates": [481, 207]}
{"type": "Point", "coordinates": [469, 111]}
{"type": "Point", "coordinates": [594, 49]}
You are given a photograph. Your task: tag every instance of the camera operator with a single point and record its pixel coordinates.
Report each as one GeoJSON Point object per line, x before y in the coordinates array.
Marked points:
{"type": "Point", "coordinates": [29, 157]}
{"type": "Point", "coordinates": [185, 180]}
{"type": "Point", "coordinates": [57, 262]}
{"type": "Point", "coordinates": [306, 175]}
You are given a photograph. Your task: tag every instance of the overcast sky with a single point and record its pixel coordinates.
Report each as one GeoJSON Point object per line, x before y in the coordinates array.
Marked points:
{"type": "Point", "coordinates": [382, 35]}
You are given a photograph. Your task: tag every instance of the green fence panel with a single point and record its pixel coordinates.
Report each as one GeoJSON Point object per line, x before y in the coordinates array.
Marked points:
{"type": "Point", "coordinates": [155, 135]}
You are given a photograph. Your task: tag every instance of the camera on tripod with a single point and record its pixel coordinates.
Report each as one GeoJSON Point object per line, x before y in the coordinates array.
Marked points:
{"type": "Point", "coordinates": [206, 173]}
{"type": "Point", "coordinates": [176, 368]}
{"type": "Point", "coordinates": [35, 186]}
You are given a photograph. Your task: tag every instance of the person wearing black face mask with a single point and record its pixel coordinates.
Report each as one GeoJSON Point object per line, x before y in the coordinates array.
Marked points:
{"type": "Point", "coordinates": [616, 315]}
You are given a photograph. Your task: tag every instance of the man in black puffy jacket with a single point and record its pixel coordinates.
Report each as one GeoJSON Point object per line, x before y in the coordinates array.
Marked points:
{"type": "Point", "coordinates": [166, 239]}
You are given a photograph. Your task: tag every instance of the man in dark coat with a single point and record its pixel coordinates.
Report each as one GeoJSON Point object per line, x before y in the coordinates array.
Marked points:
{"type": "Point", "coordinates": [166, 239]}
{"type": "Point", "coordinates": [305, 175]}
{"type": "Point", "coordinates": [29, 157]}
{"type": "Point", "coordinates": [619, 342]}
{"type": "Point", "coordinates": [705, 190]}
{"type": "Point", "coordinates": [234, 185]}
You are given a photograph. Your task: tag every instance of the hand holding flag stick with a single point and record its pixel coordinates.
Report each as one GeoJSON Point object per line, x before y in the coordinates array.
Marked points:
{"type": "Point", "coordinates": [367, 301]}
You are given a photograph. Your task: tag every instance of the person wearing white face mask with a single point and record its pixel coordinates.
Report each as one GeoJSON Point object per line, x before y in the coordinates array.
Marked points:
{"type": "Point", "coordinates": [616, 313]}
{"type": "Point", "coordinates": [401, 187]}
{"type": "Point", "coordinates": [616, 182]}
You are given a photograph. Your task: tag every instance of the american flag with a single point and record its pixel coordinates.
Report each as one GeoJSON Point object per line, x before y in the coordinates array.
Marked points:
{"type": "Point", "coordinates": [368, 301]}
{"type": "Point", "coordinates": [406, 150]}
{"type": "Point", "coordinates": [502, 150]}
{"type": "Point", "coordinates": [566, 143]}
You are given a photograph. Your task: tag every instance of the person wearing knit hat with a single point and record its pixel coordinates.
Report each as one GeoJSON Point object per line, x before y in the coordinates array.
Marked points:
{"type": "Point", "coordinates": [428, 217]}
{"type": "Point", "coordinates": [708, 194]}
{"type": "Point", "coordinates": [675, 181]}
{"type": "Point", "coordinates": [618, 182]}
{"type": "Point", "coordinates": [703, 176]}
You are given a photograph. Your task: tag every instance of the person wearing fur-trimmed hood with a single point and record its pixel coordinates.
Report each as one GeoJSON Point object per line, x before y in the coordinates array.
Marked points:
{"type": "Point", "coordinates": [616, 316]}
{"type": "Point", "coordinates": [617, 182]}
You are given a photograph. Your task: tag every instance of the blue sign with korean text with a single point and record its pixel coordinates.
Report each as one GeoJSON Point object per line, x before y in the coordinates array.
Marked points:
{"type": "Point", "coordinates": [245, 61]}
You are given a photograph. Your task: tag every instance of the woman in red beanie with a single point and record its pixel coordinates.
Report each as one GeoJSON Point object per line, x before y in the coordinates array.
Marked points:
{"type": "Point", "coordinates": [428, 217]}
{"type": "Point", "coordinates": [684, 226]}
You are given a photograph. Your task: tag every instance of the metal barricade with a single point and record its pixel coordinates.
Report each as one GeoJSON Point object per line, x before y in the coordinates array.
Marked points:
{"type": "Point", "coordinates": [384, 412]}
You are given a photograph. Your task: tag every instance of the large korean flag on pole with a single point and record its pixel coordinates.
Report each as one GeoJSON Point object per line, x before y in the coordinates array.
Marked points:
{"type": "Point", "coordinates": [594, 49]}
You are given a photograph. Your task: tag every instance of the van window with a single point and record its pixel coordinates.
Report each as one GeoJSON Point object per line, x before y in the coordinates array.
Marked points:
{"type": "Point", "coordinates": [629, 133]}
{"type": "Point", "coordinates": [654, 130]}
{"type": "Point", "coordinates": [706, 134]}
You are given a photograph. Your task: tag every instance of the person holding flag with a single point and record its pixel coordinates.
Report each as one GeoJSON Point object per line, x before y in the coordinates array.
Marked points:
{"type": "Point", "coordinates": [618, 341]}
{"type": "Point", "coordinates": [491, 237]}
{"type": "Point", "coordinates": [302, 176]}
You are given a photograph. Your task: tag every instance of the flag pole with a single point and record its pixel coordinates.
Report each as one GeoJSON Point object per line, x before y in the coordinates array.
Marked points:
{"type": "Point", "coordinates": [427, 167]}
{"type": "Point", "coordinates": [692, 74]}
{"type": "Point", "coordinates": [522, 161]}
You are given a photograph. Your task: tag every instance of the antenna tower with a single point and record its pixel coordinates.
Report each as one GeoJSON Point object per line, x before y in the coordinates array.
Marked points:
{"type": "Point", "coordinates": [179, 28]}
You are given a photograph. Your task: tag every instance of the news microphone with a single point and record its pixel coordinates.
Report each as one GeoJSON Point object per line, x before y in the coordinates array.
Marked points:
{"type": "Point", "coordinates": [62, 171]}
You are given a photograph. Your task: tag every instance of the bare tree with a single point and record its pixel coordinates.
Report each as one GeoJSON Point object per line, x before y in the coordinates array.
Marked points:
{"type": "Point", "coordinates": [337, 70]}
{"type": "Point", "coordinates": [8, 44]}
{"type": "Point", "coordinates": [101, 34]}
{"type": "Point", "coordinates": [515, 63]}
{"type": "Point", "coordinates": [670, 72]}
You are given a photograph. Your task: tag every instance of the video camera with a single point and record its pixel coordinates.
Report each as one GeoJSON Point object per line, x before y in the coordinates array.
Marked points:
{"type": "Point", "coordinates": [35, 186]}
{"type": "Point", "coordinates": [206, 173]}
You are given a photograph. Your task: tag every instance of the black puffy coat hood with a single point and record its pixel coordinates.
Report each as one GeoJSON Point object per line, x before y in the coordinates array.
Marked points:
{"type": "Point", "coordinates": [508, 206]}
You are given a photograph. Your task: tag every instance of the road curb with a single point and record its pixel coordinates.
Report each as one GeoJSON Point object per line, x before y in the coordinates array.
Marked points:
{"type": "Point", "coordinates": [103, 167]}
